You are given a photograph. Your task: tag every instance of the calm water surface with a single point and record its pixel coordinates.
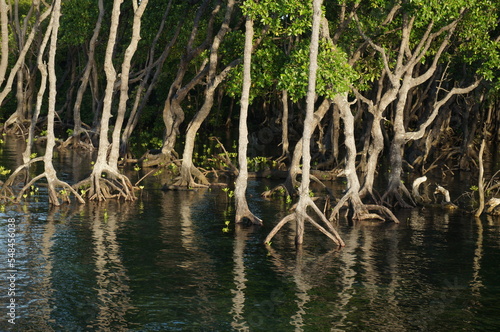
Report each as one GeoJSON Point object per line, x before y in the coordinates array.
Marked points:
{"type": "Point", "coordinates": [163, 263]}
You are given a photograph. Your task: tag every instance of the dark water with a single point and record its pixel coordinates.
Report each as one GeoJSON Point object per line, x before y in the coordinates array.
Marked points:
{"type": "Point", "coordinates": [163, 263]}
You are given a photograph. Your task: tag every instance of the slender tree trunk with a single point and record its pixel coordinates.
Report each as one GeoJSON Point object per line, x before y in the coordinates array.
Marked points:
{"type": "Point", "coordinates": [284, 127]}
{"type": "Point", "coordinates": [147, 83]}
{"type": "Point", "coordinates": [4, 46]}
{"type": "Point", "coordinates": [300, 215]}
{"type": "Point", "coordinates": [42, 67]}
{"type": "Point", "coordinates": [110, 71]}
{"type": "Point", "coordinates": [49, 150]}
{"type": "Point", "coordinates": [242, 210]}
{"type": "Point", "coordinates": [49, 171]}
{"type": "Point", "coordinates": [374, 150]}
{"type": "Point", "coordinates": [359, 210]}
{"type": "Point", "coordinates": [20, 62]}
{"type": "Point", "coordinates": [377, 108]}
{"type": "Point", "coordinates": [335, 133]}
{"type": "Point", "coordinates": [353, 185]}
{"type": "Point", "coordinates": [187, 167]}
{"type": "Point", "coordinates": [304, 198]}
{"type": "Point", "coordinates": [396, 190]}
{"type": "Point", "coordinates": [481, 180]}
{"type": "Point", "coordinates": [173, 115]}
{"type": "Point", "coordinates": [125, 73]}
{"type": "Point", "coordinates": [105, 179]}
{"type": "Point", "coordinates": [291, 182]}
{"type": "Point", "coordinates": [77, 129]}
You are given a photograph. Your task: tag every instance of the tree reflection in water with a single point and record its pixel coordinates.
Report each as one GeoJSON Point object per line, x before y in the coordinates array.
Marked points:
{"type": "Point", "coordinates": [111, 276]}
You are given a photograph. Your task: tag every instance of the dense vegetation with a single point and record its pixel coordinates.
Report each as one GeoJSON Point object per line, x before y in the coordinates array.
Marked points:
{"type": "Point", "coordinates": [409, 84]}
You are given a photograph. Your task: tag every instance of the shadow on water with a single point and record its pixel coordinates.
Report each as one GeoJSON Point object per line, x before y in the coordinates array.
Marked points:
{"type": "Point", "coordinates": [163, 263]}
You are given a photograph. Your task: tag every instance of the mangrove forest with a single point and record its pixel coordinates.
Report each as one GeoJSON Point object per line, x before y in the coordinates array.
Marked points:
{"type": "Point", "coordinates": [388, 99]}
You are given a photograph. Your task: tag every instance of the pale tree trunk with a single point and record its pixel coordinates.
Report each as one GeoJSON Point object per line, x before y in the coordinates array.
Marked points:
{"type": "Point", "coordinates": [396, 190]}
{"type": "Point", "coordinates": [105, 181]}
{"type": "Point", "coordinates": [188, 170]}
{"type": "Point", "coordinates": [400, 73]}
{"type": "Point", "coordinates": [49, 172]}
{"type": "Point", "coordinates": [4, 47]}
{"type": "Point", "coordinates": [242, 210]}
{"type": "Point", "coordinates": [402, 78]}
{"type": "Point", "coordinates": [20, 113]}
{"type": "Point", "coordinates": [77, 129]}
{"type": "Point", "coordinates": [291, 183]}
{"type": "Point", "coordinates": [377, 109]}
{"type": "Point", "coordinates": [42, 67]}
{"type": "Point", "coordinates": [148, 83]}
{"type": "Point", "coordinates": [26, 73]}
{"type": "Point", "coordinates": [284, 128]}
{"type": "Point", "coordinates": [480, 180]}
{"type": "Point", "coordinates": [335, 133]}
{"type": "Point", "coordinates": [110, 71]}
{"type": "Point", "coordinates": [352, 197]}
{"type": "Point", "coordinates": [17, 117]}
{"type": "Point", "coordinates": [213, 79]}
{"type": "Point", "coordinates": [300, 215]}
{"type": "Point", "coordinates": [173, 115]}
{"type": "Point", "coordinates": [125, 73]}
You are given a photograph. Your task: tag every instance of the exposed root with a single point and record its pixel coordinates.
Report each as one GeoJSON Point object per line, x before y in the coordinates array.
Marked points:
{"type": "Point", "coordinates": [370, 195]}
{"type": "Point", "coordinates": [113, 186]}
{"type": "Point", "coordinates": [329, 231]}
{"type": "Point", "coordinates": [396, 195]}
{"type": "Point", "coordinates": [492, 205]}
{"type": "Point", "coordinates": [416, 192]}
{"type": "Point", "coordinates": [336, 210]}
{"type": "Point", "coordinates": [359, 210]}
{"type": "Point", "coordinates": [384, 210]}
{"type": "Point", "coordinates": [53, 185]}
{"type": "Point", "coordinates": [6, 192]}
{"type": "Point", "coordinates": [288, 188]}
{"type": "Point", "coordinates": [446, 202]}
{"type": "Point", "coordinates": [15, 124]}
{"type": "Point", "coordinates": [244, 213]}
{"type": "Point", "coordinates": [226, 159]}
{"type": "Point", "coordinates": [154, 158]}
{"type": "Point", "coordinates": [10, 181]}
{"type": "Point", "coordinates": [187, 179]}
{"type": "Point", "coordinates": [281, 159]}
{"type": "Point", "coordinates": [77, 143]}
{"type": "Point", "coordinates": [281, 189]}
